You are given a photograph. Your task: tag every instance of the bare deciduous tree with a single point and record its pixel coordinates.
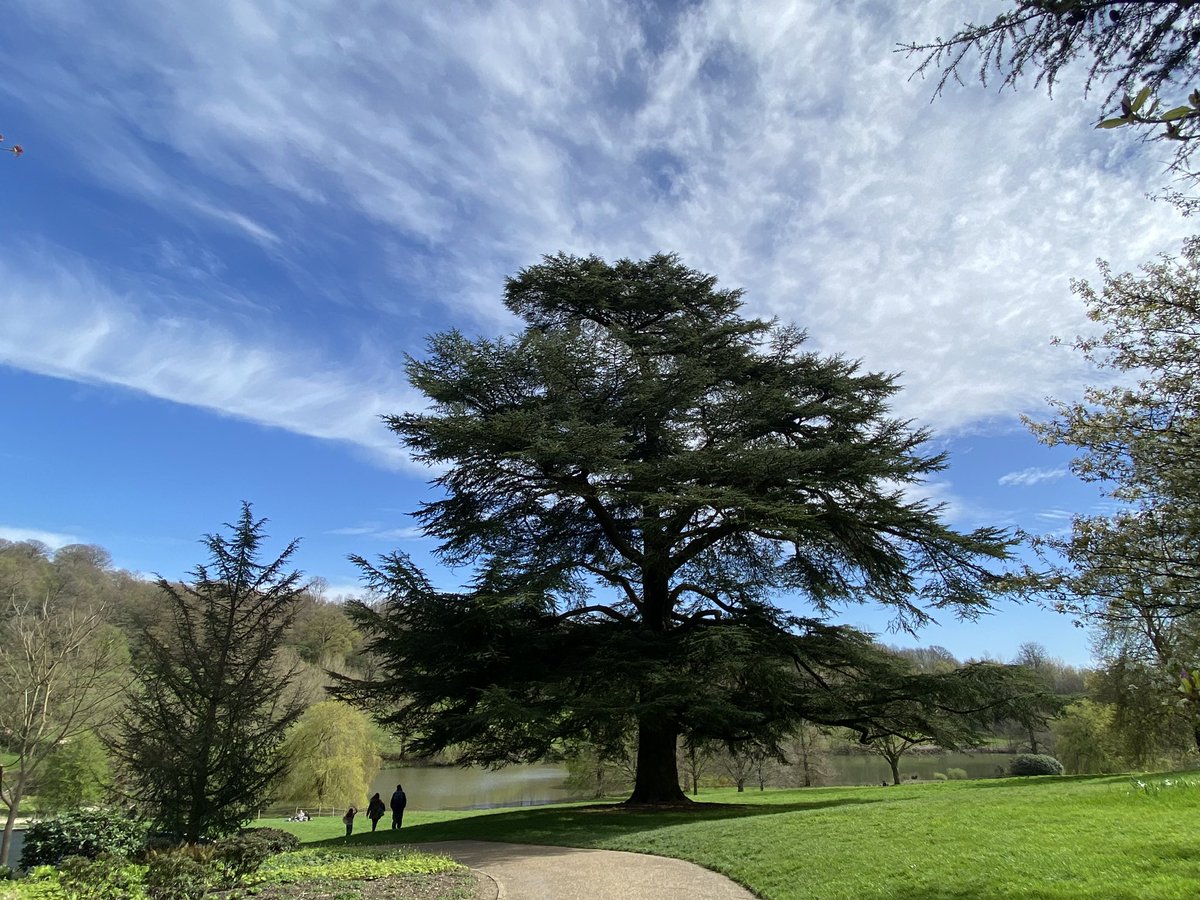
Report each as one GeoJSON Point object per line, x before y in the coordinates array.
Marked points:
{"type": "Point", "coordinates": [61, 670]}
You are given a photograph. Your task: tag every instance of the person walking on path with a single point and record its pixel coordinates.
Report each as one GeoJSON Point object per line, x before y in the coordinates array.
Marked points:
{"type": "Point", "coordinates": [399, 801]}
{"type": "Point", "coordinates": [375, 810]}
{"type": "Point", "coordinates": [348, 818]}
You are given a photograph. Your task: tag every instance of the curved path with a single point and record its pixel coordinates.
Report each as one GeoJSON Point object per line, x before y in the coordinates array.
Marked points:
{"type": "Point", "coordinates": [535, 872]}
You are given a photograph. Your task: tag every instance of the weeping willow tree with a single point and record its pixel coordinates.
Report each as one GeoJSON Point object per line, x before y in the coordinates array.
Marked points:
{"type": "Point", "coordinates": [332, 757]}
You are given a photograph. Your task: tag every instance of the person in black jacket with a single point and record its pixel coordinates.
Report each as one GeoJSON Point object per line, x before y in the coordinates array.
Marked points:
{"type": "Point", "coordinates": [399, 801]}
{"type": "Point", "coordinates": [375, 810]}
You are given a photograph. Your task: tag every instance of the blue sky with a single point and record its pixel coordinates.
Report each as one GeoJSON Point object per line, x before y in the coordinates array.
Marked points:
{"type": "Point", "coordinates": [232, 220]}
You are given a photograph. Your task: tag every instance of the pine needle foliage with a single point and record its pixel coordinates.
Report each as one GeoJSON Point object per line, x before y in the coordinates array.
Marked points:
{"type": "Point", "coordinates": [201, 731]}
{"type": "Point", "coordinates": [637, 477]}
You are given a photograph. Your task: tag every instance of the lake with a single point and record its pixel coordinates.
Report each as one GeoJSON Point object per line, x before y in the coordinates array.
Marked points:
{"type": "Point", "coordinates": [450, 787]}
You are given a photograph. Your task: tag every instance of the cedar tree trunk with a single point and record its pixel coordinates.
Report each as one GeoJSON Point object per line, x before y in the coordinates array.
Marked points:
{"type": "Point", "coordinates": [657, 779]}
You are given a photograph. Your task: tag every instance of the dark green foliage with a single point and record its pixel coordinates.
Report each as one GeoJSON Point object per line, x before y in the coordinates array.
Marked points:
{"type": "Point", "coordinates": [86, 833]}
{"type": "Point", "coordinates": [276, 839]}
{"type": "Point", "coordinates": [637, 476]}
{"type": "Point", "coordinates": [182, 873]}
{"type": "Point", "coordinates": [200, 734]}
{"type": "Point", "coordinates": [243, 854]}
{"type": "Point", "coordinates": [107, 877]}
{"type": "Point", "coordinates": [1035, 764]}
{"type": "Point", "coordinates": [188, 870]}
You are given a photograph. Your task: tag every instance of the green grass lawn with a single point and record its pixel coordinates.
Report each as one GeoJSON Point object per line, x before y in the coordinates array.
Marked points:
{"type": "Point", "coordinates": [1089, 836]}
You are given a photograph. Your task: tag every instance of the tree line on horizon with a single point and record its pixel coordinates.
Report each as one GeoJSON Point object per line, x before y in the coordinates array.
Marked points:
{"type": "Point", "coordinates": [110, 631]}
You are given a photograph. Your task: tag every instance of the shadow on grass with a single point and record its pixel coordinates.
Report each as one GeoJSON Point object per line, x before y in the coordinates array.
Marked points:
{"type": "Point", "coordinates": [583, 826]}
{"type": "Point", "coordinates": [1034, 781]}
{"type": "Point", "coordinates": [1178, 854]}
{"type": "Point", "coordinates": [966, 892]}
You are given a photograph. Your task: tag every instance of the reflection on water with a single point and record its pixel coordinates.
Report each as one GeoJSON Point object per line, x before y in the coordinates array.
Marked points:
{"type": "Point", "coordinates": [450, 787]}
{"type": "Point", "coordinates": [14, 851]}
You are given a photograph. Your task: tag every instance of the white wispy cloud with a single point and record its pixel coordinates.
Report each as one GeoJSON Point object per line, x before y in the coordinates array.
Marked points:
{"type": "Point", "coordinates": [52, 539]}
{"type": "Point", "coordinates": [1031, 476]}
{"type": "Point", "coordinates": [68, 324]}
{"type": "Point", "coordinates": [779, 145]}
{"type": "Point", "coordinates": [381, 532]}
{"type": "Point", "coordinates": [1055, 515]}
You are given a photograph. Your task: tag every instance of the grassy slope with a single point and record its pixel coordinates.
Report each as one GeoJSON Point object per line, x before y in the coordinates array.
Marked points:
{"type": "Point", "coordinates": [1045, 838]}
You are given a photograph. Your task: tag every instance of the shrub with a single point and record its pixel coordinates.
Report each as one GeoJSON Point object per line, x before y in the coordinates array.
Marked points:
{"type": "Point", "coordinates": [106, 877]}
{"type": "Point", "coordinates": [278, 840]}
{"type": "Point", "coordinates": [956, 774]}
{"type": "Point", "coordinates": [1035, 764]}
{"type": "Point", "coordinates": [183, 873]}
{"type": "Point", "coordinates": [239, 856]}
{"type": "Point", "coordinates": [938, 776]}
{"type": "Point", "coordinates": [39, 883]}
{"type": "Point", "coordinates": [86, 833]}
{"type": "Point", "coordinates": [188, 871]}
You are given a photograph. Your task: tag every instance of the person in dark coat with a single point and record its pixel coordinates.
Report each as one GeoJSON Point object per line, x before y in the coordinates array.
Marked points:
{"type": "Point", "coordinates": [375, 810]}
{"type": "Point", "coordinates": [348, 818]}
{"type": "Point", "coordinates": [399, 801]}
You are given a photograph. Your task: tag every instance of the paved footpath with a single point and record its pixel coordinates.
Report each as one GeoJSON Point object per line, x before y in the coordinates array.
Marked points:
{"type": "Point", "coordinates": [535, 872]}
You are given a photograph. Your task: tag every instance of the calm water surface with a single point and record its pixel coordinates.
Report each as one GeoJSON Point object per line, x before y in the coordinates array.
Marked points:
{"type": "Point", "coordinates": [449, 787]}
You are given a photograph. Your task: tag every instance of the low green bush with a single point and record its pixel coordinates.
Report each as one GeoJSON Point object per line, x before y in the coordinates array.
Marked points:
{"type": "Point", "coordinates": [39, 883]}
{"type": "Point", "coordinates": [106, 877]}
{"type": "Point", "coordinates": [186, 872]}
{"type": "Point", "coordinates": [239, 856]}
{"type": "Point", "coordinates": [940, 776]}
{"type": "Point", "coordinates": [1035, 764]}
{"type": "Point", "coordinates": [278, 840]}
{"type": "Point", "coordinates": [86, 833]}
{"type": "Point", "coordinates": [956, 774]}
{"type": "Point", "coordinates": [349, 865]}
